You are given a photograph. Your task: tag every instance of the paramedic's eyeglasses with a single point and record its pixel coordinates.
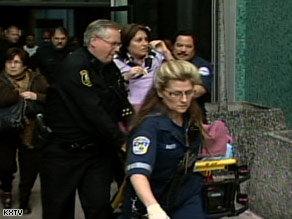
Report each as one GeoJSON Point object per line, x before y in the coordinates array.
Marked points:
{"type": "Point", "coordinates": [112, 44]}
{"type": "Point", "coordinates": [180, 94]}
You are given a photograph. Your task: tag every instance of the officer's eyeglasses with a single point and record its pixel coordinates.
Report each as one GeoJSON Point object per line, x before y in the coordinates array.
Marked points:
{"type": "Point", "coordinates": [112, 44]}
{"type": "Point", "coordinates": [180, 94]}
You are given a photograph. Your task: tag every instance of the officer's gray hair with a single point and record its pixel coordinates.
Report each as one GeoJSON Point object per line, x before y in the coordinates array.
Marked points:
{"type": "Point", "coordinates": [176, 70]}
{"type": "Point", "coordinates": [98, 28]}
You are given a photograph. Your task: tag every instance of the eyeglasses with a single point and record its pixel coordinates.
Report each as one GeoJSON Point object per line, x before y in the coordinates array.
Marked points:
{"type": "Point", "coordinates": [112, 44]}
{"type": "Point", "coordinates": [180, 94]}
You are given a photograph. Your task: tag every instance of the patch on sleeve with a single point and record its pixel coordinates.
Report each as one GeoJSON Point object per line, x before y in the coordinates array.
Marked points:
{"type": "Point", "coordinates": [204, 71]}
{"type": "Point", "coordinates": [140, 145]}
{"type": "Point", "coordinates": [85, 79]}
{"type": "Point", "coordinates": [170, 146]}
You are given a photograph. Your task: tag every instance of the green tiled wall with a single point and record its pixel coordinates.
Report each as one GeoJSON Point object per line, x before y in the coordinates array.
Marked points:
{"type": "Point", "coordinates": [264, 54]}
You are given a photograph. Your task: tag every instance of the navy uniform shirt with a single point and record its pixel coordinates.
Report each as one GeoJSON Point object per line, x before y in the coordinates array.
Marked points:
{"type": "Point", "coordinates": [156, 148]}
{"type": "Point", "coordinates": [206, 71]}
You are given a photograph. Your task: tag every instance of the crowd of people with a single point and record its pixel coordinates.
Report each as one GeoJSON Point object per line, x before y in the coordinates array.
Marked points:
{"type": "Point", "coordinates": [120, 107]}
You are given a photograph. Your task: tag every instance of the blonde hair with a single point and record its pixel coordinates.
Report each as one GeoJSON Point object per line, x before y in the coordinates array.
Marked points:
{"type": "Point", "coordinates": [171, 70]}
{"type": "Point", "coordinates": [178, 70]}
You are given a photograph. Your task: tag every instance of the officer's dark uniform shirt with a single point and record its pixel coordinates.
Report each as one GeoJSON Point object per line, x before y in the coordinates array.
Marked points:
{"type": "Point", "coordinates": [47, 59]}
{"type": "Point", "coordinates": [85, 102]}
{"type": "Point", "coordinates": [206, 71]}
{"type": "Point", "coordinates": [155, 149]}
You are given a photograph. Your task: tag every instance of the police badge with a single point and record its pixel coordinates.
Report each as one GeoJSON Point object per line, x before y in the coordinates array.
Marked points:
{"type": "Point", "coordinates": [85, 79]}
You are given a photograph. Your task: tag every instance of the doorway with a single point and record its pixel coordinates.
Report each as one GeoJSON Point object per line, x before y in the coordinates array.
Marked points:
{"type": "Point", "coordinates": [36, 17]}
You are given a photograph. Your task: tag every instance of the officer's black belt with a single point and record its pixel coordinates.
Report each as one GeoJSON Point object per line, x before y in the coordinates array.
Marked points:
{"type": "Point", "coordinates": [79, 145]}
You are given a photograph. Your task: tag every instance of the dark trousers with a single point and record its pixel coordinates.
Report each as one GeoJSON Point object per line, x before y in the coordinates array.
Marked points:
{"type": "Point", "coordinates": [63, 172]}
{"type": "Point", "coordinates": [192, 209]}
{"type": "Point", "coordinates": [8, 166]}
{"type": "Point", "coordinates": [28, 171]}
{"type": "Point", "coordinates": [189, 199]}
{"type": "Point", "coordinates": [187, 204]}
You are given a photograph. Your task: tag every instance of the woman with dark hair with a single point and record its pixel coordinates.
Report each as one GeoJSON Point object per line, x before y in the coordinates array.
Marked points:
{"type": "Point", "coordinates": [17, 83]}
{"type": "Point", "coordinates": [162, 148]}
{"type": "Point", "coordinates": [138, 62]}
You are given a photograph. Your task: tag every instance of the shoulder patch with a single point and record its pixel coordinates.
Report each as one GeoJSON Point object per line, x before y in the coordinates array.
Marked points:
{"type": "Point", "coordinates": [204, 71]}
{"type": "Point", "coordinates": [85, 78]}
{"type": "Point", "coordinates": [140, 145]}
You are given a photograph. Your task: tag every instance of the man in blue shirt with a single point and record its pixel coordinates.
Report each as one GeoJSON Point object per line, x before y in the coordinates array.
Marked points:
{"type": "Point", "coordinates": [184, 48]}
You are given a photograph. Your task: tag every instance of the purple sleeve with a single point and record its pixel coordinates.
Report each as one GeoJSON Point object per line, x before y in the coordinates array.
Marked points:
{"type": "Point", "coordinates": [122, 66]}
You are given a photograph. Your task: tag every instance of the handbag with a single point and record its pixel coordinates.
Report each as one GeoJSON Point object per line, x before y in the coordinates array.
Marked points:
{"type": "Point", "coordinates": [12, 118]}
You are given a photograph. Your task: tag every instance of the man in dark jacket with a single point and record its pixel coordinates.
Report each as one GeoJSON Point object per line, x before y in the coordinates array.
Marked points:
{"type": "Point", "coordinates": [83, 110]}
{"type": "Point", "coordinates": [49, 55]}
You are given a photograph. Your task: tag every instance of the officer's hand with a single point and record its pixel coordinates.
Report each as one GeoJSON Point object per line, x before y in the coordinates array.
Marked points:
{"type": "Point", "coordinates": [156, 212]}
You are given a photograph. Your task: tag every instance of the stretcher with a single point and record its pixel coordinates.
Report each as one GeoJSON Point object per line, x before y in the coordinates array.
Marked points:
{"type": "Point", "coordinates": [222, 194]}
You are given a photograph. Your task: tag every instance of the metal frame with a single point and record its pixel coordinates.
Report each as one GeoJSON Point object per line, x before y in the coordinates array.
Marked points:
{"type": "Point", "coordinates": [224, 41]}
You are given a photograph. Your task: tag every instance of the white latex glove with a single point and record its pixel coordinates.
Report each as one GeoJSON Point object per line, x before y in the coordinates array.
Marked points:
{"type": "Point", "coordinates": [156, 212]}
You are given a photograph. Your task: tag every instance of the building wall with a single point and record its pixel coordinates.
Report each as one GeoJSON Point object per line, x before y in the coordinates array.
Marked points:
{"type": "Point", "coordinates": [264, 54]}
{"type": "Point", "coordinates": [166, 17]}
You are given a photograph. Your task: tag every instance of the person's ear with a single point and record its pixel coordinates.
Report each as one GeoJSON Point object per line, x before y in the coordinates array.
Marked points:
{"type": "Point", "coordinates": [94, 41]}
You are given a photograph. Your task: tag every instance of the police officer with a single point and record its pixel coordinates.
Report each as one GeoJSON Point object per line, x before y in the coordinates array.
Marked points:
{"type": "Point", "coordinates": [162, 149]}
{"type": "Point", "coordinates": [83, 110]}
{"type": "Point", "coordinates": [184, 48]}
